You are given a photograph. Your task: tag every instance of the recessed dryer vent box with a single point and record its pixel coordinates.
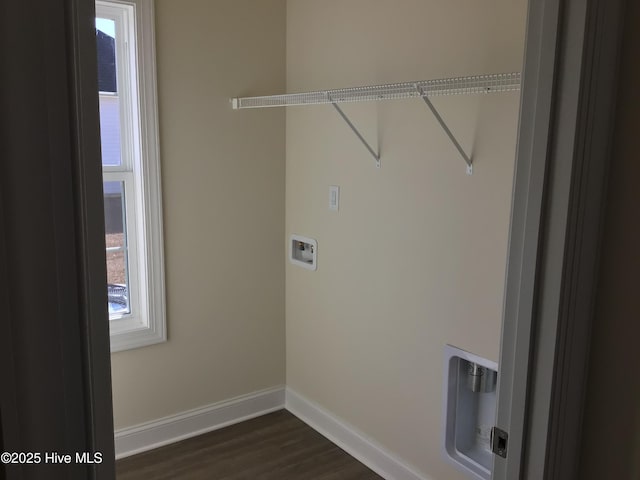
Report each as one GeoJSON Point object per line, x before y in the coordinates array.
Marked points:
{"type": "Point", "coordinates": [303, 251]}
{"type": "Point", "coordinates": [469, 411]}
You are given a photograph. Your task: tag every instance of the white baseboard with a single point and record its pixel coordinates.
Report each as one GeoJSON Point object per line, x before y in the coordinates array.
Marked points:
{"type": "Point", "coordinates": [367, 451]}
{"type": "Point", "coordinates": [174, 428]}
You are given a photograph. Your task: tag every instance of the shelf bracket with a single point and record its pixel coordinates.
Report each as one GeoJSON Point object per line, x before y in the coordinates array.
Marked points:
{"type": "Point", "coordinates": [373, 153]}
{"type": "Point", "coordinates": [446, 129]}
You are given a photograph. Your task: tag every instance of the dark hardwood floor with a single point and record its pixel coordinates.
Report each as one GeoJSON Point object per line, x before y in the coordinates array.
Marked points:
{"type": "Point", "coordinates": [277, 446]}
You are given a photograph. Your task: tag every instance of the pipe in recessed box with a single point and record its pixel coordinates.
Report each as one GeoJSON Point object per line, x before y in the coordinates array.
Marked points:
{"type": "Point", "coordinates": [475, 373]}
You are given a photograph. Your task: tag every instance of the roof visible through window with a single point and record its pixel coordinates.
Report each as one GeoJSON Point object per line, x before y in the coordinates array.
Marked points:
{"type": "Point", "coordinates": [106, 46]}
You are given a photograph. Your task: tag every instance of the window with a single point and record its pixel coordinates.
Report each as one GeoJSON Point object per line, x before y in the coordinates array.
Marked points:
{"type": "Point", "coordinates": [131, 172]}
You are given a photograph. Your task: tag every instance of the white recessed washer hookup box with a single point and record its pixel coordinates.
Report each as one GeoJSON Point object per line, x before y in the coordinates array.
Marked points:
{"type": "Point", "coordinates": [303, 251]}
{"type": "Point", "coordinates": [469, 411]}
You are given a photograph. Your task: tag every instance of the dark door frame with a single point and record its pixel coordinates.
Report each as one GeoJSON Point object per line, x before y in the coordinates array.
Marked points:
{"type": "Point", "coordinates": [573, 222]}
{"type": "Point", "coordinates": [564, 148]}
{"type": "Point", "coordinates": [54, 334]}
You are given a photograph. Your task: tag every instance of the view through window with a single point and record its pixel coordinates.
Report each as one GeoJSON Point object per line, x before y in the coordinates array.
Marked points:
{"type": "Point", "coordinates": [114, 191]}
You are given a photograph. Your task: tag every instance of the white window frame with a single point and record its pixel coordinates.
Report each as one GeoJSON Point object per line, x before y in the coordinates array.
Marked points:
{"type": "Point", "coordinates": [140, 172]}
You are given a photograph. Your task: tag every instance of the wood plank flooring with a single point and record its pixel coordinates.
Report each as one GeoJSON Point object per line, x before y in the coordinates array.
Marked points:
{"type": "Point", "coordinates": [277, 446]}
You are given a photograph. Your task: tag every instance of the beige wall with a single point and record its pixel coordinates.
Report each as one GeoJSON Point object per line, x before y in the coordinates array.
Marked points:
{"type": "Point", "coordinates": [223, 187]}
{"type": "Point", "coordinates": [416, 256]}
{"type": "Point", "coordinates": [413, 260]}
{"type": "Point", "coordinates": [611, 435]}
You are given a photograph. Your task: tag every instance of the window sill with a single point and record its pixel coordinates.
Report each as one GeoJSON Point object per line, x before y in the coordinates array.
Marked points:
{"type": "Point", "coordinates": [127, 334]}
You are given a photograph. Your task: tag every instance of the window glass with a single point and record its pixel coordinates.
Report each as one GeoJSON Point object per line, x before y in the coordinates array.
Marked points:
{"type": "Point", "coordinates": [109, 98]}
{"type": "Point", "coordinates": [110, 130]}
{"type": "Point", "coordinates": [116, 241]}
{"type": "Point", "coordinates": [106, 46]}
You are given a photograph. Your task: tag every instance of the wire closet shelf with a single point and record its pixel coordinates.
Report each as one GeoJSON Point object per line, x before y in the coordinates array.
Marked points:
{"type": "Point", "coordinates": [495, 83]}
{"type": "Point", "coordinates": [476, 84]}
